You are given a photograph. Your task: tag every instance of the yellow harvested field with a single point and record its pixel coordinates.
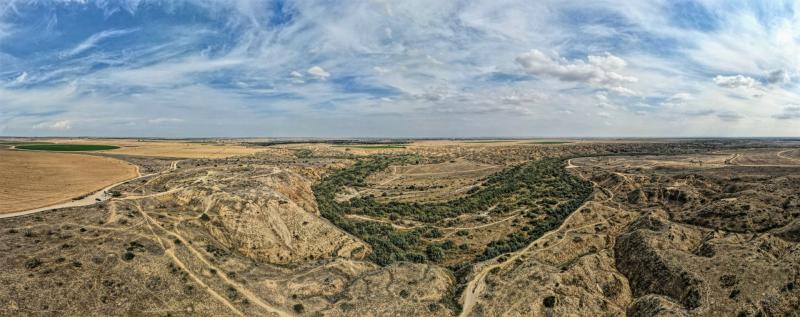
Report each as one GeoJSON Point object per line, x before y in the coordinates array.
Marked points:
{"type": "Point", "coordinates": [177, 149]}
{"type": "Point", "coordinates": [31, 180]}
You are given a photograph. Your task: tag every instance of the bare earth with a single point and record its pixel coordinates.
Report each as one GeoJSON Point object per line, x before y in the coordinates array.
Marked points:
{"type": "Point", "coordinates": [38, 179]}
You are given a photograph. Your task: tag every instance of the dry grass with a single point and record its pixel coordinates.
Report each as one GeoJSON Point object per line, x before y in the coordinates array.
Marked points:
{"type": "Point", "coordinates": [429, 182]}
{"type": "Point", "coordinates": [37, 179]}
{"type": "Point", "coordinates": [177, 149]}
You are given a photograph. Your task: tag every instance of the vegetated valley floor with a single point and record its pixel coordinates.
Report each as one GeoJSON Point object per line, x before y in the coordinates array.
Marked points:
{"type": "Point", "coordinates": [522, 228]}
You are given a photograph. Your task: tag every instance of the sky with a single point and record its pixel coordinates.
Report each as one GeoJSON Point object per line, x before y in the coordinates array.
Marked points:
{"type": "Point", "coordinates": [372, 68]}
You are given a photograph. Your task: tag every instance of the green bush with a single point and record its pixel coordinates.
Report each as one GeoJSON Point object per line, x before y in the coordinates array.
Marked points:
{"type": "Point", "coordinates": [33, 263]}
{"type": "Point", "coordinates": [303, 153]}
{"type": "Point", "coordinates": [434, 253]}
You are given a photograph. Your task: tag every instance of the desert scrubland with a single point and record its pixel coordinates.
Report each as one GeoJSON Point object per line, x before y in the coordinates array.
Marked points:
{"type": "Point", "coordinates": [423, 228]}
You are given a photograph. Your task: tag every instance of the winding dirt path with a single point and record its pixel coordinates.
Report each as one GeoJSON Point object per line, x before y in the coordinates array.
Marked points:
{"type": "Point", "coordinates": [781, 155]}
{"type": "Point", "coordinates": [170, 250]}
{"type": "Point", "coordinates": [732, 160]}
{"type": "Point", "coordinates": [171, 253]}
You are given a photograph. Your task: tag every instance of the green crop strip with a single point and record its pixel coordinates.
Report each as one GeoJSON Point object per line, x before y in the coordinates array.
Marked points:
{"type": "Point", "coordinates": [66, 147]}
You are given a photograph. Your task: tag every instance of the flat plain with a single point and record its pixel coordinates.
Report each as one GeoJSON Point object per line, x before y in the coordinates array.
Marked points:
{"type": "Point", "coordinates": [168, 148]}
{"type": "Point", "coordinates": [30, 180]}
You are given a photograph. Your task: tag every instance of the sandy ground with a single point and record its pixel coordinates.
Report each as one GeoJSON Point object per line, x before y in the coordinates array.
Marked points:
{"type": "Point", "coordinates": [38, 179]}
{"type": "Point", "coordinates": [178, 149]}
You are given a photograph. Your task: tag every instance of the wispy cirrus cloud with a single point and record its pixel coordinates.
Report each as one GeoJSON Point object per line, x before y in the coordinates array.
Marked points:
{"type": "Point", "coordinates": [94, 40]}
{"type": "Point", "coordinates": [410, 68]}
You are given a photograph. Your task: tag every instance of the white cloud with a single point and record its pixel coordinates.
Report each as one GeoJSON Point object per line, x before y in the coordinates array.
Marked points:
{"type": "Point", "coordinates": [95, 39]}
{"type": "Point", "coordinates": [597, 70]}
{"type": "Point", "coordinates": [59, 125]}
{"type": "Point", "coordinates": [603, 114]}
{"type": "Point", "coordinates": [602, 96]}
{"type": "Point", "coordinates": [519, 98]}
{"type": "Point", "coordinates": [165, 120]}
{"type": "Point", "coordinates": [622, 91]}
{"type": "Point", "coordinates": [21, 79]}
{"type": "Point", "coordinates": [735, 81]}
{"type": "Point", "coordinates": [680, 97]}
{"type": "Point", "coordinates": [297, 77]}
{"type": "Point", "coordinates": [318, 72]}
{"type": "Point", "coordinates": [380, 70]}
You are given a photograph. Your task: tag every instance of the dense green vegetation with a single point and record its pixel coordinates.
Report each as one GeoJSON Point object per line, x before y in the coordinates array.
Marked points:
{"type": "Point", "coordinates": [542, 190]}
{"type": "Point", "coordinates": [537, 188]}
{"type": "Point", "coordinates": [66, 147]}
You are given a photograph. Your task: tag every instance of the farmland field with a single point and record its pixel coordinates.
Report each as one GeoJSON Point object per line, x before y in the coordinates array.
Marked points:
{"type": "Point", "coordinates": [30, 180]}
{"type": "Point", "coordinates": [21, 143]}
{"type": "Point", "coordinates": [548, 142]}
{"type": "Point", "coordinates": [167, 148]}
{"type": "Point", "coordinates": [374, 147]}
{"type": "Point", "coordinates": [66, 147]}
{"type": "Point", "coordinates": [489, 141]}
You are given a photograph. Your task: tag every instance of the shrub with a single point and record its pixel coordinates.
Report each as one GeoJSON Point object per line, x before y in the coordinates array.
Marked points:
{"type": "Point", "coordinates": [298, 308]}
{"type": "Point", "coordinates": [303, 153]}
{"type": "Point", "coordinates": [232, 293]}
{"type": "Point", "coordinates": [449, 244]}
{"type": "Point", "coordinates": [549, 301]}
{"type": "Point", "coordinates": [33, 263]}
{"type": "Point", "coordinates": [216, 251]}
{"type": "Point", "coordinates": [434, 253]}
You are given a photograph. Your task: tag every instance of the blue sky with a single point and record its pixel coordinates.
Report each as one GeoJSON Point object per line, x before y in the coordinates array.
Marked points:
{"type": "Point", "coordinates": [199, 68]}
